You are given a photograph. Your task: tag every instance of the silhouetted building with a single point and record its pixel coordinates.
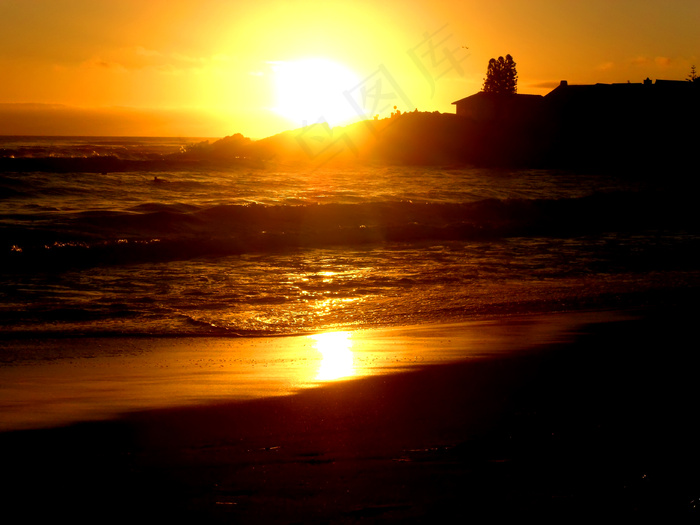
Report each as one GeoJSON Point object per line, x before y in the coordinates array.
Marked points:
{"type": "Point", "coordinates": [625, 99]}
{"type": "Point", "coordinates": [488, 106]}
{"type": "Point", "coordinates": [588, 125]}
{"type": "Point", "coordinates": [582, 98]}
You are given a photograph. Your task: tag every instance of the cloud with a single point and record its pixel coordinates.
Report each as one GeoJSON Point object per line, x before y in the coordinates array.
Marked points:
{"type": "Point", "coordinates": [147, 52]}
{"type": "Point", "coordinates": [606, 66]}
{"type": "Point", "coordinates": [640, 61]}
{"type": "Point", "coordinates": [59, 119]}
{"type": "Point", "coordinates": [99, 63]}
{"type": "Point", "coordinates": [645, 61]}
{"type": "Point", "coordinates": [139, 58]}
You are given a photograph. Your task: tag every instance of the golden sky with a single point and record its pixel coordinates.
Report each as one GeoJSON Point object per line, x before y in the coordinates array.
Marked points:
{"type": "Point", "coordinates": [217, 67]}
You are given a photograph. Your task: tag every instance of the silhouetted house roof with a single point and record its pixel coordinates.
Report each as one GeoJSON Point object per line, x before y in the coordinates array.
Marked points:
{"type": "Point", "coordinates": [488, 106]}
{"type": "Point", "coordinates": [624, 90]}
{"type": "Point", "coordinates": [629, 101]}
{"type": "Point", "coordinates": [585, 100]}
{"type": "Point", "coordinates": [594, 125]}
{"type": "Point", "coordinates": [611, 91]}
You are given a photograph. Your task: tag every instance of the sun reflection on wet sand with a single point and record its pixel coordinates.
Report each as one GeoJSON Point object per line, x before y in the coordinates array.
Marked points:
{"type": "Point", "coordinates": [105, 378]}
{"type": "Point", "coordinates": [336, 355]}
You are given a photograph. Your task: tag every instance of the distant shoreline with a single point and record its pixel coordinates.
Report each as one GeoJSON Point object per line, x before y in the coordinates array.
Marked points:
{"type": "Point", "coordinates": [413, 139]}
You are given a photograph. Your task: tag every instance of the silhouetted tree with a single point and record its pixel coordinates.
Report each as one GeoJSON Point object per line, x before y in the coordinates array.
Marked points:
{"type": "Point", "coordinates": [693, 77]}
{"type": "Point", "coordinates": [501, 76]}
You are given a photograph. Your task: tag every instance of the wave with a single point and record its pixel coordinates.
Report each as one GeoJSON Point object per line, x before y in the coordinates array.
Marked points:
{"type": "Point", "coordinates": [55, 148]}
{"type": "Point", "coordinates": [162, 232]}
{"type": "Point", "coordinates": [114, 164]}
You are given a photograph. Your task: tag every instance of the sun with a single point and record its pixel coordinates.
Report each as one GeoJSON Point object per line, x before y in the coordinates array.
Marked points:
{"type": "Point", "coordinates": [311, 90]}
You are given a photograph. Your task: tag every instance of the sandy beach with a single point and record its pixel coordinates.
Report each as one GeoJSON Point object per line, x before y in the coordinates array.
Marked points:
{"type": "Point", "coordinates": [55, 382]}
{"type": "Point", "coordinates": [562, 416]}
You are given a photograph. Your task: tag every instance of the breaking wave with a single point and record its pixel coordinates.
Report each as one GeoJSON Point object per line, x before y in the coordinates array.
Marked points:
{"type": "Point", "coordinates": [163, 232]}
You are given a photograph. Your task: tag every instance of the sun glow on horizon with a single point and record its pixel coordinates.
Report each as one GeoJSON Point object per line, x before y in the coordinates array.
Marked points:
{"type": "Point", "coordinates": [216, 67]}
{"type": "Point", "coordinates": [311, 90]}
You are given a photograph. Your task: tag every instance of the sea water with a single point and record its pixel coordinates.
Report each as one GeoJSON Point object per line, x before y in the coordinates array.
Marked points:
{"type": "Point", "coordinates": [243, 251]}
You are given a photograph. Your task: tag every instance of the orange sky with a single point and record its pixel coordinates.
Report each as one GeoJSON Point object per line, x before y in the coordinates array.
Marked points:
{"type": "Point", "coordinates": [217, 67]}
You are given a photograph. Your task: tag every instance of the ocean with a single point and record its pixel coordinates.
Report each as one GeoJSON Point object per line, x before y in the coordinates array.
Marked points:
{"type": "Point", "coordinates": [281, 250]}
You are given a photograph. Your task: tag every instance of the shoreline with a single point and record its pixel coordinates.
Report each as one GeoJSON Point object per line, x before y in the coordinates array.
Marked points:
{"type": "Point", "coordinates": [599, 421]}
{"type": "Point", "coordinates": [75, 380]}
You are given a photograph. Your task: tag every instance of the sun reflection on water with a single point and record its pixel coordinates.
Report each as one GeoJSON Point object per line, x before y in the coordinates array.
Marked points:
{"type": "Point", "coordinates": [336, 355]}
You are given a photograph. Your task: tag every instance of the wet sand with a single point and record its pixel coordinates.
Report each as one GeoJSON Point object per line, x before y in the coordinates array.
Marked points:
{"type": "Point", "coordinates": [549, 417]}
{"type": "Point", "coordinates": [49, 383]}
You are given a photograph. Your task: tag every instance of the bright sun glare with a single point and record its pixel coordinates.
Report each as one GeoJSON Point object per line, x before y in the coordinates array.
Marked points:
{"type": "Point", "coordinates": [336, 356]}
{"type": "Point", "coordinates": [311, 90]}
